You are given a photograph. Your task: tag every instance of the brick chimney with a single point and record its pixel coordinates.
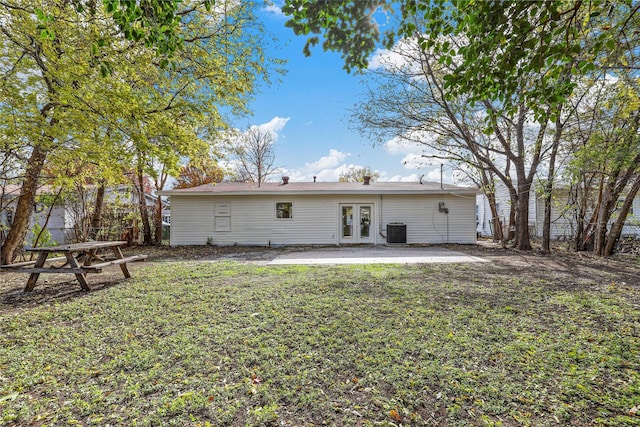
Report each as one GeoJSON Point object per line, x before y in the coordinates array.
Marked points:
{"type": "Point", "coordinates": [367, 180]}
{"type": "Point", "coordinates": [285, 180]}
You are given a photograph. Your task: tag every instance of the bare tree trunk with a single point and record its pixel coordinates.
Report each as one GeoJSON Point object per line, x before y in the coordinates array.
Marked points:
{"type": "Point", "coordinates": [546, 225]}
{"type": "Point", "coordinates": [24, 207]}
{"type": "Point", "coordinates": [498, 235]}
{"type": "Point", "coordinates": [523, 241]}
{"type": "Point", "coordinates": [616, 228]}
{"type": "Point", "coordinates": [158, 221]}
{"type": "Point", "coordinates": [511, 232]}
{"type": "Point", "coordinates": [144, 214]}
{"type": "Point", "coordinates": [548, 188]}
{"type": "Point", "coordinates": [96, 218]}
{"type": "Point", "coordinates": [602, 221]}
{"type": "Point", "coordinates": [580, 216]}
{"type": "Point", "coordinates": [588, 242]}
{"type": "Point", "coordinates": [160, 182]}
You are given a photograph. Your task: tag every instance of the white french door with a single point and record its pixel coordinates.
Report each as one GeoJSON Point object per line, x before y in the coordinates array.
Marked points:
{"type": "Point", "coordinates": [356, 223]}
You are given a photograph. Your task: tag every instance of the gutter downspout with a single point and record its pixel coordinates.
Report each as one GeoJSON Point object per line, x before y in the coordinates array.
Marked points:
{"type": "Point", "coordinates": [380, 217]}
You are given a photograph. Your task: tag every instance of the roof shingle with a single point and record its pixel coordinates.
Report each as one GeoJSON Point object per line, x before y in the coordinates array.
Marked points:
{"type": "Point", "coordinates": [322, 187]}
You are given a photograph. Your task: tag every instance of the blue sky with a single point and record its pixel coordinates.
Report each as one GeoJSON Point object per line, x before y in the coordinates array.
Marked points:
{"type": "Point", "coordinates": [308, 111]}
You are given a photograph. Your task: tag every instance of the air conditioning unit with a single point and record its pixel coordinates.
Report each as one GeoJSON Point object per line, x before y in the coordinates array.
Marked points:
{"type": "Point", "coordinates": [396, 232]}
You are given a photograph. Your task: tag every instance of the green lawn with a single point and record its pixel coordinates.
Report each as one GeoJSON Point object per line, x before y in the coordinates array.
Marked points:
{"type": "Point", "coordinates": [238, 344]}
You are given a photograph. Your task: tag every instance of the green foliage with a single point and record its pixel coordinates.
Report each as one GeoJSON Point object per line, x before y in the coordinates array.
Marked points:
{"type": "Point", "coordinates": [547, 38]}
{"type": "Point", "coordinates": [497, 43]}
{"type": "Point", "coordinates": [156, 23]}
{"type": "Point", "coordinates": [43, 236]}
{"type": "Point", "coordinates": [348, 27]}
{"type": "Point", "coordinates": [191, 344]}
{"type": "Point", "coordinates": [55, 101]}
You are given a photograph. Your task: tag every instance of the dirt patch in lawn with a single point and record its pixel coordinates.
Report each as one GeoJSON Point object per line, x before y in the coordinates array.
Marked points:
{"type": "Point", "coordinates": [561, 269]}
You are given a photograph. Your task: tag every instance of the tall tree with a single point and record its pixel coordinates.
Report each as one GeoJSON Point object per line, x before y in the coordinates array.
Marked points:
{"type": "Point", "coordinates": [517, 59]}
{"type": "Point", "coordinates": [32, 87]}
{"type": "Point", "coordinates": [503, 40]}
{"type": "Point", "coordinates": [53, 98]}
{"type": "Point", "coordinates": [407, 101]}
{"type": "Point", "coordinates": [255, 155]}
{"type": "Point", "coordinates": [605, 164]}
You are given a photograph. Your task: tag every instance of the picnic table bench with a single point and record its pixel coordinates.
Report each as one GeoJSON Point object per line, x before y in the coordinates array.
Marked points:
{"type": "Point", "coordinates": [78, 259]}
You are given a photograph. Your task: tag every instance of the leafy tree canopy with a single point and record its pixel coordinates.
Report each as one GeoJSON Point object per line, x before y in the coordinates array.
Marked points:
{"type": "Point", "coordinates": [496, 42]}
{"type": "Point", "coordinates": [206, 171]}
{"type": "Point", "coordinates": [156, 23]}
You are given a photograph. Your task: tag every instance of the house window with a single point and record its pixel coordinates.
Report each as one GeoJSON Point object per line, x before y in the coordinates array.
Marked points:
{"type": "Point", "coordinates": [284, 210]}
{"type": "Point", "coordinates": [222, 216]}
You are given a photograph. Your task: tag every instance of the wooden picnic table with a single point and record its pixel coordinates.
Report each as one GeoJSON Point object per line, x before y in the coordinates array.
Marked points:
{"type": "Point", "coordinates": [78, 259]}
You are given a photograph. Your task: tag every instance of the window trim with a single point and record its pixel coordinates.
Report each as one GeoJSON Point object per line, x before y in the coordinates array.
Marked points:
{"type": "Point", "coordinates": [290, 217]}
{"type": "Point", "coordinates": [222, 217]}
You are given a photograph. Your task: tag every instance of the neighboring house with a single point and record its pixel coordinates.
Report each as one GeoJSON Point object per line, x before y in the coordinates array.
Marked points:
{"type": "Point", "coordinates": [59, 221]}
{"type": "Point", "coordinates": [66, 215]}
{"type": "Point", "coordinates": [563, 222]}
{"type": "Point", "coordinates": [322, 213]}
{"type": "Point", "coordinates": [484, 218]}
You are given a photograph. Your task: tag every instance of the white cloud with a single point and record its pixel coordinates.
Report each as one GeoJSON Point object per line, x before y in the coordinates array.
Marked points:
{"type": "Point", "coordinates": [415, 142]}
{"type": "Point", "coordinates": [403, 55]}
{"type": "Point", "coordinates": [434, 176]}
{"type": "Point", "coordinates": [274, 8]}
{"type": "Point", "coordinates": [274, 126]}
{"type": "Point", "coordinates": [400, 146]}
{"type": "Point", "coordinates": [329, 168]}
{"type": "Point", "coordinates": [326, 168]}
{"type": "Point", "coordinates": [414, 161]}
{"type": "Point", "coordinates": [333, 159]}
{"type": "Point", "coordinates": [399, 178]}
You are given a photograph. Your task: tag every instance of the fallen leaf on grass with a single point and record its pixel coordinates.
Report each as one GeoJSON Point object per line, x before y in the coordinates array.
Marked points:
{"type": "Point", "coordinates": [12, 396]}
{"type": "Point", "coordinates": [395, 415]}
{"type": "Point", "coordinates": [634, 411]}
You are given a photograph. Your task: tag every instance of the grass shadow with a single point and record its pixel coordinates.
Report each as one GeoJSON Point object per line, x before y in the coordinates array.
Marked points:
{"type": "Point", "coordinates": [49, 292]}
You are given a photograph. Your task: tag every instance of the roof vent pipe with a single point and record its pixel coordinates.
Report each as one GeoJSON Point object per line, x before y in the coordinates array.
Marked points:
{"type": "Point", "coordinates": [367, 179]}
{"type": "Point", "coordinates": [285, 180]}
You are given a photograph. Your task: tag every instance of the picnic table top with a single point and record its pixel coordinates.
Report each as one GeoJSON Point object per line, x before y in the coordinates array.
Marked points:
{"type": "Point", "coordinates": [83, 246]}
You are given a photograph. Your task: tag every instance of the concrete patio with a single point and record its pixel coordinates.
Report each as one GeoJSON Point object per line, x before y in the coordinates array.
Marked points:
{"type": "Point", "coordinates": [375, 255]}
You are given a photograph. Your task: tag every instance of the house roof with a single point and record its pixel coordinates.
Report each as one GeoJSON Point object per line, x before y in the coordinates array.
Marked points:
{"type": "Point", "coordinates": [299, 188]}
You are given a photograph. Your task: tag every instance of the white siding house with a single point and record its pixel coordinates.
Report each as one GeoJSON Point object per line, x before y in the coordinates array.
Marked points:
{"type": "Point", "coordinates": [57, 225]}
{"type": "Point", "coordinates": [65, 218]}
{"type": "Point", "coordinates": [321, 213]}
{"type": "Point", "coordinates": [563, 222]}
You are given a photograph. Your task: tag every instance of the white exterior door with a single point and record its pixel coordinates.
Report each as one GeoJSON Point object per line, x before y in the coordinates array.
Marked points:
{"type": "Point", "coordinates": [356, 223]}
